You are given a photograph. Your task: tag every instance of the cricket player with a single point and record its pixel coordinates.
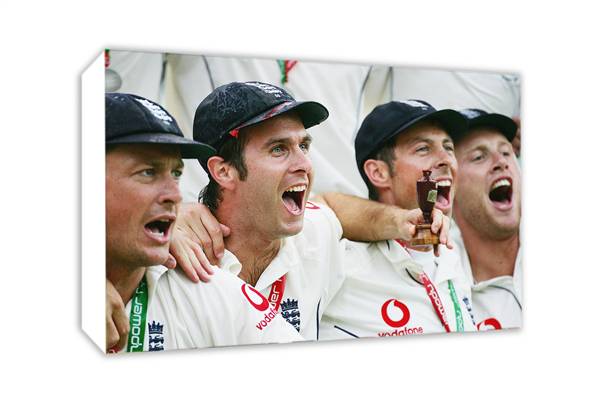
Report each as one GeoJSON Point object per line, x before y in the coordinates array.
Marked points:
{"type": "Point", "coordinates": [390, 288]}
{"type": "Point", "coordinates": [289, 248]}
{"type": "Point", "coordinates": [488, 213]}
{"type": "Point", "coordinates": [144, 147]}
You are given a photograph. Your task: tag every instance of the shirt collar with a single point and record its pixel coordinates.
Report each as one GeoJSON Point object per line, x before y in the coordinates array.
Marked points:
{"type": "Point", "coordinates": [448, 263]}
{"type": "Point", "coordinates": [459, 245]}
{"type": "Point", "coordinates": [286, 260]}
{"type": "Point", "coordinates": [398, 257]}
{"type": "Point", "coordinates": [230, 263]}
{"type": "Point", "coordinates": [518, 275]}
{"type": "Point", "coordinates": [153, 274]}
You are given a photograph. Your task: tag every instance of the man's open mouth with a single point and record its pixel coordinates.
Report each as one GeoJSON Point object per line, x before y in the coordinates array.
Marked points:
{"type": "Point", "coordinates": [501, 193]}
{"type": "Point", "coordinates": [293, 199]}
{"type": "Point", "coordinates": [443, 193]}
{"type": "Point", "coordinates": [159, 227]}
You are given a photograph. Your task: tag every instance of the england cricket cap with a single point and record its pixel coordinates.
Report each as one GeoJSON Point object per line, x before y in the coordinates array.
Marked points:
{"type": "Point", "coordinates": [478, 118]}
{"type": "Point", "coordinates": [391, 119]}
{"type": "Point", "coordinates": [237, 105]}
{"type": "Point", "coordinates": [132, 119]}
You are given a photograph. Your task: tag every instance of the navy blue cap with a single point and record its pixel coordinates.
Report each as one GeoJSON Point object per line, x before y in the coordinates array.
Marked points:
{"type": "Point", "coordinates": [236, 105]}
{"type": "Point", "coordinates": [132, 119]}
{"type": "Point", "coordinates": [388, 120]}
{"type": "Point", "coordinates": [479, 118]}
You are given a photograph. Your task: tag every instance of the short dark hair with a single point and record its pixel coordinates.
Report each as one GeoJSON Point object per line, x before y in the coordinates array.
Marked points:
{"type": "Point", "coordinates": [232, 152]}
{"type": "Point", "coordinates": [386, 154]}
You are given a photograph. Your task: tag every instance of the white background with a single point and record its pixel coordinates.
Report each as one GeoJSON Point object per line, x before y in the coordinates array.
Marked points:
{"type": "Point", "coordinates": [46, 46]}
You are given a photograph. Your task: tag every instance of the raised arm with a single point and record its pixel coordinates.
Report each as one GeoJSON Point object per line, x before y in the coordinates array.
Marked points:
{"type": "Point", "coordinates": [368, 221]}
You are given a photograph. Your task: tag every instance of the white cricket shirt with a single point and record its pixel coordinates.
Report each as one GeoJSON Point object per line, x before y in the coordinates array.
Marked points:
{"type": "Point", "coordinates": [383, 296]}
{"type": "Point", "coordinates": [497, 301]}
{"type": "Point", "coordinates": [226, 311]}
{"type": "Point", "coordinates": [312, 264]}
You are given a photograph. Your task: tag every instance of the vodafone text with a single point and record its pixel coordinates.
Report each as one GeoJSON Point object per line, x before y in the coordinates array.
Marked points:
{"type": "Point", "coordinates": [403, 332]}
{"type": "Point", "coordinates": [267, 318]}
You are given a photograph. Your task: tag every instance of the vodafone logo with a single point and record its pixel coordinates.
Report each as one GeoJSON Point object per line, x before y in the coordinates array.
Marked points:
{"type": "Point", "coordinates": [489, 324]}
{"type": "Point", "coordinates": [390, 309]}
{"type": "Point", "coordinates": [257, 300]}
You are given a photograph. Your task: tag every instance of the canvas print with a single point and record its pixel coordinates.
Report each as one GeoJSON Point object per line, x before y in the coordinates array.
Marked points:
{"type": "Point", "coordinates": [253, 200]}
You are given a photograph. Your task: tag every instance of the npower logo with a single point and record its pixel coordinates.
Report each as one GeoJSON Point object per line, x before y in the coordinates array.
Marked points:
{"type": "Point", "coordinates": [257, 300]}
{"type": "Point", "coordinates": [391, 306]}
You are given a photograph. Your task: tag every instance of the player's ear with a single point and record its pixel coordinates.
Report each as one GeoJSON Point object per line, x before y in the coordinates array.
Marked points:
{"type": "Point", "coordinates": [222, 172]}
{"type": "Point", "coordinates": [378, 173]}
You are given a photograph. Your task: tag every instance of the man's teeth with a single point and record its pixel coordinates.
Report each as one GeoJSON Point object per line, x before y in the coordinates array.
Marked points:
{"type": "Point", "coordinates": [444, 183]}
{"type": "Point", "coordinates": [299, 188]}
{"type": "Point", "coordinates": [501, 182]}
{"type": "Point", "coordinates": [160, 227]}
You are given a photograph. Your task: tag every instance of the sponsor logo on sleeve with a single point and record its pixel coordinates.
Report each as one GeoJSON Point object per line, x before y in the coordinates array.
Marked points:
{"type": "Point", "coordinates": [397, 315]}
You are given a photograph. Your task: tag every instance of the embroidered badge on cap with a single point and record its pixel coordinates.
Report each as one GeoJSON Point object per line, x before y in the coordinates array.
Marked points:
{"type": "Point", "coordinates": [470, 113]}
{"type": "Point", "coordinates": [156, 110]}
{"type": "Point", "coordinates": [266, 88]}
{"type": "Point", "coordinates": [414, 103]}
